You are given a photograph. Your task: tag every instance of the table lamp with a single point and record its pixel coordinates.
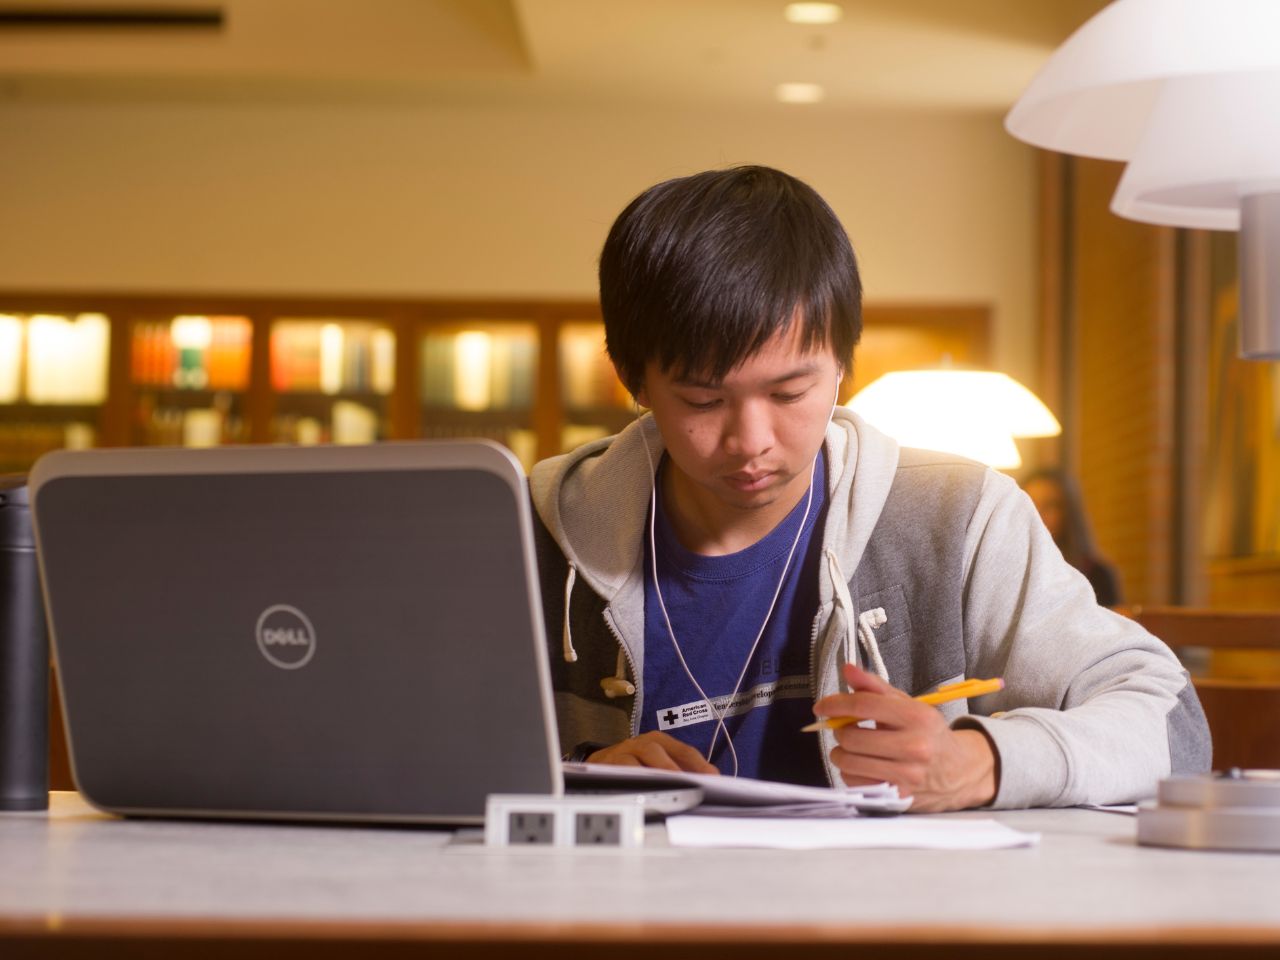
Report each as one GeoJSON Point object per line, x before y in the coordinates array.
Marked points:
{"type": "Point", "coordinates": [972, 413]}
{"type": "Point", "coordinates": [1188, 93]}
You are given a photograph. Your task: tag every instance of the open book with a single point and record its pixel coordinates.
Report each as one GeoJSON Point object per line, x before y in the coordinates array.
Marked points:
{"type": "Point", "coordinates": [727, 796]}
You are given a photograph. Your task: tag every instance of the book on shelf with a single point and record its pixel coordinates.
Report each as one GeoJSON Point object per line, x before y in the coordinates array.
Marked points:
{"type": "Point", "coordinates": [332, 357]}
{"type": "Point", "coordinates": [479, 369]}
{"type": "Point", "coordinates": [192, 353]}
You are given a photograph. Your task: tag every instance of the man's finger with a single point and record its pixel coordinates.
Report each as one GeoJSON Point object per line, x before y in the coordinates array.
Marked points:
{"type": "Point", "coordinates": [859, 679]}
{"type": "Point", "coordinates": [883, 744]}
{"type": "Point", "coordinates": [694, 762]}
{"type": "Point", "coordinates": [894, 711]}
{"type": "Point", "coordinates": [856, 768]}
{"type": "Point", "coordinates": [685, 757]}
{"type": "Point", "coordinates": [654, 754]}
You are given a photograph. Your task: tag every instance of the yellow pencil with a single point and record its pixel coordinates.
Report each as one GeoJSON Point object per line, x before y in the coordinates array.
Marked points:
{"type": "Point", "coordinates": [944, 694]}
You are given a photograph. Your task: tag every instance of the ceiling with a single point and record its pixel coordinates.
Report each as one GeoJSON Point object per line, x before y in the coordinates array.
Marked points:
{"type": "Point", "coordinates": [883, 54]}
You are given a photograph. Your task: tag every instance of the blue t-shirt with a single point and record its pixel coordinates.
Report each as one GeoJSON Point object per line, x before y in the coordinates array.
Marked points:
{"type": "Point", "coordinates": [716, 606]}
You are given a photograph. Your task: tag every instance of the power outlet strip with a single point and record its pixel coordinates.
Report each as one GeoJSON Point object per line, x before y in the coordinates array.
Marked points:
{"type": "Point", "coordinates": [541, 820]}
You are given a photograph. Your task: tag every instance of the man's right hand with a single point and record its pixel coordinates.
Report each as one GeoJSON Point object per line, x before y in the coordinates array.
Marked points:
{"type": "Point", "coordinates": [654, 749]}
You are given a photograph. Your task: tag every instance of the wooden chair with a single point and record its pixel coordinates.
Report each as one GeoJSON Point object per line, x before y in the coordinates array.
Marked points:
{"type": "Point", "coordinates": [1243, 712]}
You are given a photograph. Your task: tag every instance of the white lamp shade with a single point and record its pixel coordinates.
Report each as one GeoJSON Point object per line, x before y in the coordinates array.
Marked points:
{"type": "Point", "coordinates": [972, 413]}
{"type": "Point", "coordinates": [1094, 95]}
{"type": "Point", "coordinates": [1209, 142]}
{"type": "Point", "coordinates": [1187, 91]}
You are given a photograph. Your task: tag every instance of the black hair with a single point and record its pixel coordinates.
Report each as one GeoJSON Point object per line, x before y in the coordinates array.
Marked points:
{"type": "Point", "coordinates": [700, 272]}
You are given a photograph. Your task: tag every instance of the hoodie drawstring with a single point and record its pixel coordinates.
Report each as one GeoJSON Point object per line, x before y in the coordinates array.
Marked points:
{"type": "Point", "coordinates": [570, 654]}
{"type": "Point", "coordinates": [618, 685]}
{"type": "Point", "coordinates": [866, 622]}
{"type": "Point", "coordinates": [843, 601]}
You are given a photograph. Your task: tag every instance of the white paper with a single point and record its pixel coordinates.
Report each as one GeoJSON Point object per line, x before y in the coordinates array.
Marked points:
{"type": "Point", "coordinates": [921, 833]}
{"type": "Point", "coordinates": [743, 791]}
{"type": "Point", "coordinates": [1127, 808]}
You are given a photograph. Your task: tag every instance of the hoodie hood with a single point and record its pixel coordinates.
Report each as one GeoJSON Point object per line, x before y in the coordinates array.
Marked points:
{"type": "Point", "coordinates": [595, 500]}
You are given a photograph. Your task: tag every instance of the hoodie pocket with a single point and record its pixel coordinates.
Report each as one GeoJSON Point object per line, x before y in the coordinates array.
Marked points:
{"type": "Point", "coordinates": [897, 623]}
{"type": "Point", "coordinates": [917, 660]}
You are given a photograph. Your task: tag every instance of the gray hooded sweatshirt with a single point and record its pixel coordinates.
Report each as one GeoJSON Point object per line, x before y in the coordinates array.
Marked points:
{"type": "Point", "coordinates": [934, 568]}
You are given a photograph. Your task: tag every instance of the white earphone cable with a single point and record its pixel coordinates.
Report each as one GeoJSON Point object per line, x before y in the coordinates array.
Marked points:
{"type": "Point", "coordinates": [653, 556]}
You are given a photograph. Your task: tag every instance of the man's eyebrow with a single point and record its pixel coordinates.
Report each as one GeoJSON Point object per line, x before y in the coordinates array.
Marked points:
{"type": "Point", "coordinates": [692, 381]}
{"type": "Point", "coordinates": [804, 370]}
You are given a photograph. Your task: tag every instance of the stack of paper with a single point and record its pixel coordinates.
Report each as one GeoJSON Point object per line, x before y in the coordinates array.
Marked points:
{"type": "Point", "coordinates": [741, 812]}
{"type": "Point", "coordinates": [923, 833]}
{"type": "Point", "coordinates": [742, 796]}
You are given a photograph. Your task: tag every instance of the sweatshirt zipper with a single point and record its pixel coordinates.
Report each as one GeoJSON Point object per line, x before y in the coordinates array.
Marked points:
{"type": "Point", "coordinates": [813, 670]}
{"type": "Point", "coordinates": [813, 656]}
{"type": "Point", "coordinates": [813, 692]}
{"type": "Point", "coordinates": [626, 655]}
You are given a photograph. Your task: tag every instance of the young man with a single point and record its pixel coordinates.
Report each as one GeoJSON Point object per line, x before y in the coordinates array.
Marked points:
{"type": "Point", "coordinates": [748, 554]}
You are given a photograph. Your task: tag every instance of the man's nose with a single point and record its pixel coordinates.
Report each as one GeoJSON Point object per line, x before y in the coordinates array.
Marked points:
{"type": "Point", "coordinates": [748, 433]}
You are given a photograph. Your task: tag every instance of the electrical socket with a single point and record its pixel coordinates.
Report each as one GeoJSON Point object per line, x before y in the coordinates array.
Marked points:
{"type": "Point", "coordinates": [576, 820]}
{"type": "Point", "coordinates": [530, 827]}
{"type": "Point", "coordinates": [604, 829]}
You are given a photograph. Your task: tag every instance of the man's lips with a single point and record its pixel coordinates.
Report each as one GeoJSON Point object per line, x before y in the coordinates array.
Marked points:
{"type": "Point", "coordinates": [748, 480]}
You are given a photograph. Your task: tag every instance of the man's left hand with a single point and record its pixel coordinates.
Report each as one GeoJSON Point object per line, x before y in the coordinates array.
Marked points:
{"type": "Point", "coordinates": [912, 747]}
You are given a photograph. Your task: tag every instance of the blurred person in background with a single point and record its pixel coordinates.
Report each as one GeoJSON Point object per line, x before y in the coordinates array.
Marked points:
{"type": "Point", "coordinates": [1057, 499]}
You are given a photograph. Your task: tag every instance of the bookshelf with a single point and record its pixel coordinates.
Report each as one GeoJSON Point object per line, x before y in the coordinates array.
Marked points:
{"type": "Point", "coordinates": [81, 370]}
{"type": "Point", "coordinates": [111, 370]}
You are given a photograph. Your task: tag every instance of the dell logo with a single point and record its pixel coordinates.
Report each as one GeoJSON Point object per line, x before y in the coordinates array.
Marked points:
{"type": "Point", "coordinates": [286, 637]}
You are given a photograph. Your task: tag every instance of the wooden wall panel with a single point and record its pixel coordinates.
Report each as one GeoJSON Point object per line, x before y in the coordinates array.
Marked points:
{"type": "Point", "coordinates": [1123, 363]}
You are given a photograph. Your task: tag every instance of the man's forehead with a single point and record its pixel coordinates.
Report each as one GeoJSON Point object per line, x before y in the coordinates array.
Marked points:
{"type": "Point", "coordinates": [794, 347]}
{"type": "Point", "coordinates": [770, 368]}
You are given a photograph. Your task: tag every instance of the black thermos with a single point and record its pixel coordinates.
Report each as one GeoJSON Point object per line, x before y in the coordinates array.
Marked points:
{"type": "Point", "coordinates": [24, 658]}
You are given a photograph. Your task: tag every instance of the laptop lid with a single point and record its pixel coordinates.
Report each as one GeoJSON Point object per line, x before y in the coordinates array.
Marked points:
{"type": "Point", "coordinates": [321, 632]}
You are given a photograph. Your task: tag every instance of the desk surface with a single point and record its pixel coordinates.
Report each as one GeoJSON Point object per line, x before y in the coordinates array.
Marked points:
{"type": "Point", "coordinates": [76, 877]}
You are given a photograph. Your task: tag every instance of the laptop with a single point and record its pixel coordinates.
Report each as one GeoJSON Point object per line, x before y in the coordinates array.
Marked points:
{"type": "Point", "coordinates": [329, 633]}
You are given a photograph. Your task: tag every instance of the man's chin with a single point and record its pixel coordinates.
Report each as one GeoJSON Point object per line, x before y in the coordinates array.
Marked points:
{"type": "Point", "coordinates": [757, 498]}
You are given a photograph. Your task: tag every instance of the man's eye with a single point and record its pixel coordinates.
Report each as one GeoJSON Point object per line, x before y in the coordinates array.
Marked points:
{"type": "Point", "coordinates": [788, 397]}
{"type": "Point", "coordinates": [703, 404]}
